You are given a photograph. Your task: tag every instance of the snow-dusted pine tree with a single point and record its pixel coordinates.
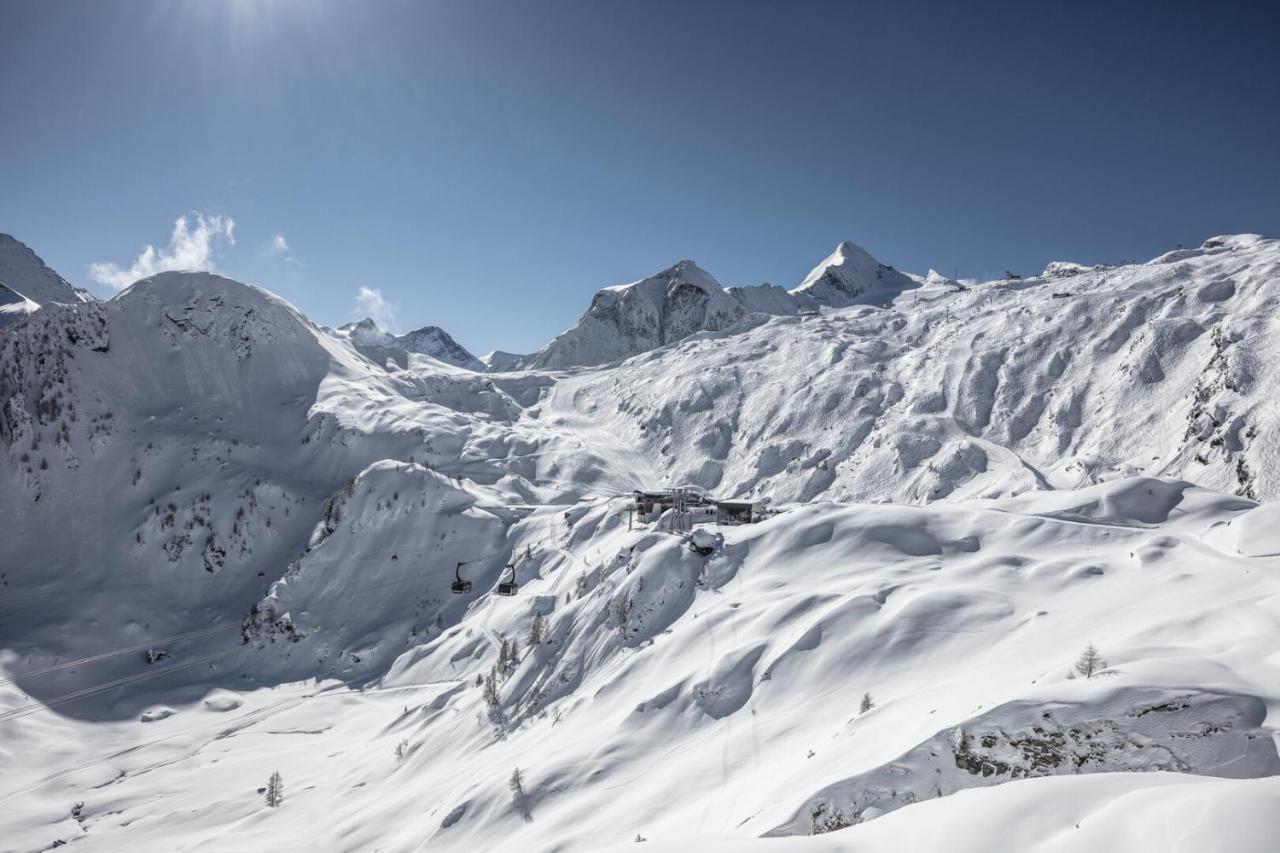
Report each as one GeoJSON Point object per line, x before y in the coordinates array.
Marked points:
{"type": "Point", "coordinates": [518, 798]}
{"type": "Point", "coordinates": [537, 631]}
{"type": "Point", "coordinates": [1090, 662]}
{"type": "Point", "coordinates": [275, 790]}
{"type": "Point", "coordinates": [491, 697]}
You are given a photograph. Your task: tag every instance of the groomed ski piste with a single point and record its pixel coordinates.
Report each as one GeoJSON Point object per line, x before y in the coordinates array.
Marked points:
{"type": "Point", "coordinates": [1014, 586]}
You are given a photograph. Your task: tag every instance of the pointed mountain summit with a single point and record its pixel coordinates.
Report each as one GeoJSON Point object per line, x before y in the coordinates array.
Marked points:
{"type": "Point", "coordinates": [367, 333]}
{"type": "Point", "coordinates": [850, 276]}
{"type": "Point", "coordinates": [628, 319]}
{"type": "Point", "coordinates": [439, 344]}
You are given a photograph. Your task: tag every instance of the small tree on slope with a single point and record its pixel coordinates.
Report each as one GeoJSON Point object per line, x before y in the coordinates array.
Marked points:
{"type": "Point", "coordinates": [491, 697]}
{"type": "Point", "coordinates": [1090, 662]}
{"type": "Point", "coordinates": [867, 704]}
{"type": "Point", "coordinates": [537, 631]}
{"type": "Point", "coordinates": [517, 794]}
{"type": "Point", "coordinates": [275, 790]}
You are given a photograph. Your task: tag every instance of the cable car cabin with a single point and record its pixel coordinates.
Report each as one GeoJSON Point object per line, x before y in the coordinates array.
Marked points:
{"type": "Point", "coordinates": [459, 586]}
{"type": "Point", "coordinates": [509, 587]}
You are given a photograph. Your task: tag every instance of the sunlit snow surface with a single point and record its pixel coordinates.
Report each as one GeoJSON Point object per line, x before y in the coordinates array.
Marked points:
{"type": "Point", "coordinates": [973, 485]}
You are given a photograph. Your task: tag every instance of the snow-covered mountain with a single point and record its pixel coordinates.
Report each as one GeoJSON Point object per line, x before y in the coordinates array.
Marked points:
{"type": "Point", "coordinates": [436, 342]}
{"type": "Point", "coordinates": [431, 341]}
{"type": "Point", "coordinates": [850, 276]}
{"type": "Point", "coordinates": [230, 537]}
{"type": "Point", "coordinates": [1165, 368]}
{"type": "Point", "coordinates": [643, 315]}
{"type": "Point", "coordinates": [685, 299]}
{"type": "Point", "coordinates": [26, 282]}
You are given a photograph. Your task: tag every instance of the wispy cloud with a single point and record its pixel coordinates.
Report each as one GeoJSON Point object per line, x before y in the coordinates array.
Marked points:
{"type": "Point", "coordinates": [372, 304]}
{"type": "Point", "coordinates": [279, 247]}
{"type": "Point", "coordinates": [192, 245]}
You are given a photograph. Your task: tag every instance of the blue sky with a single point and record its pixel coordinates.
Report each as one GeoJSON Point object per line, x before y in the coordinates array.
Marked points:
{"type": "Point", "coordinates": [487, 166]}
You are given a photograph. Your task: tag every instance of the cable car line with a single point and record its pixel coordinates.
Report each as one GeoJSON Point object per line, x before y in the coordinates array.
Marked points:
{"type": "Point", "coordinates": [35, 707]}
{"type": "Point", "coordinates": [125, 650]}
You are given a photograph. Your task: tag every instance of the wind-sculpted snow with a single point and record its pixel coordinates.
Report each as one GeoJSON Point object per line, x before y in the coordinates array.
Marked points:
{"type": "Point", "coordinates": [673, 694]}
{"type": "Point", "coordinates": [230, 537]}
{"type": "Point", "coordinates": [991, 390]}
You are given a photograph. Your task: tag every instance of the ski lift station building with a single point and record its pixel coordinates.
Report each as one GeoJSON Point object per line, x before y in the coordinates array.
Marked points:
{"type": "Point", "coordinates": [700, 507]}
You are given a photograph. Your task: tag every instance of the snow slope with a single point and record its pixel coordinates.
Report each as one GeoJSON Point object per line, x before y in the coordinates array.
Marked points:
{"type": "Point", "coordinates": [13, 305]}
{"type": "Point", "coordinates": [230, 535]}
{"type": "Point", "coordinates": [1162, 368]}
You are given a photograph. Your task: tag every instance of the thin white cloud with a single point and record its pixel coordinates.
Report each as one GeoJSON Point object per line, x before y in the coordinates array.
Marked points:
{"type": "Point", "coordinates": [372, 304]}
{"type": "Point", "coordinates": [279, 247]}
{"type": "Point", "coordinates": [192, 245]}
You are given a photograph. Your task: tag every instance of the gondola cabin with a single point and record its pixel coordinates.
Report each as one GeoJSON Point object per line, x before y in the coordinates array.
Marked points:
{"type": "Point", "coordinates": [459, 586]}
{"type": "Point", "coordinates": [509, 587]}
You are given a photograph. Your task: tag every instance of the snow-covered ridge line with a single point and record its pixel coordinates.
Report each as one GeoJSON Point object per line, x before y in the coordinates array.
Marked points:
{"type": "Point", "coordinates": [685, 299]}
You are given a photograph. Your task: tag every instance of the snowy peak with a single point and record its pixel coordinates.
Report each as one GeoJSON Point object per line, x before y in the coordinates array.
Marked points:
{"type": "Point", "coordinates": [936, 279]}
{"type": "Point", "coordinates": [437, 343]}
{"type": "Point", "coordinates": [666, 284]}
{"type": "Point", "coordinates": [379, 345]}
{"type": "Point", "coordinates": [849, 276]}
{"type": "Point", "coordinates": [367, 333]}
{"type": "Point", "coordinates": [684, 299]}
{"type": "Point", "coordinates": [687, 272]}
{"type": "Point", "coordinates": [23, 271]}
{"type": "Point", "coordinates": [628, 319]}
